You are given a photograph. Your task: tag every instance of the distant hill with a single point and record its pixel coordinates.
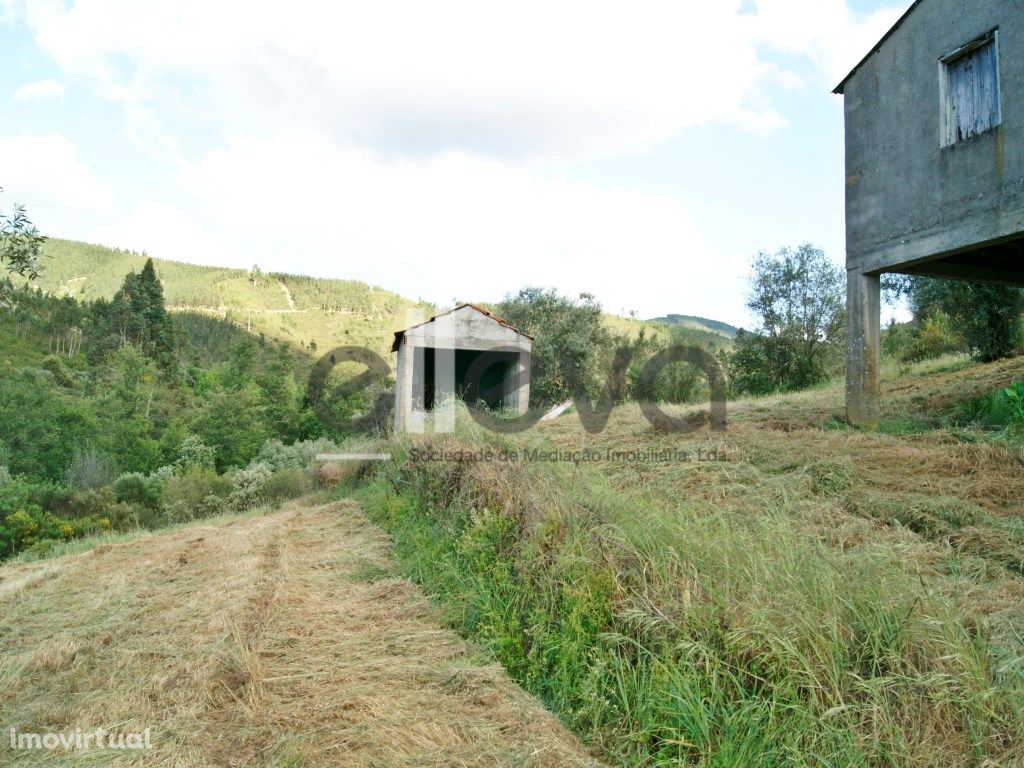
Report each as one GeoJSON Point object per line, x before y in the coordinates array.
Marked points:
{"type": "Point", "coordinates": [693, 321]}
{"type": "Point", "coordinates": [309, 313]}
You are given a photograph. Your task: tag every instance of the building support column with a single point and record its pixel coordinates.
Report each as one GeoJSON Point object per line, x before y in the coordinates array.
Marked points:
{"type": "Point", "coordinates": [522, 381]}
{"type": "Point", "coordinates": [863, 352]}
{"type": "Point", "coordinates": [403, 388]}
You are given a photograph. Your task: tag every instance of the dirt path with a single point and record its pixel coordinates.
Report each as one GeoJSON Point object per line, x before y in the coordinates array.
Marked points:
{"type": "Point", "coordinates": [287, 295]}
{"type": "Point", "coordinates": [279, 640]}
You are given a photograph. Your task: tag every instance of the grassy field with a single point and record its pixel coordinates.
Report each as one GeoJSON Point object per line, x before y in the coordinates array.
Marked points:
{"type": "Point", "coordinates": [793, 593]}
{"type": "Point", "coordinates": [789, 592]}
{"type": "Point", "coordinates": [279, 639]}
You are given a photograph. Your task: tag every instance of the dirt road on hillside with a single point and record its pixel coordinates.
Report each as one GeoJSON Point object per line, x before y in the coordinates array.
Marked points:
{"type": "Point", "coordinates": [279, 640]}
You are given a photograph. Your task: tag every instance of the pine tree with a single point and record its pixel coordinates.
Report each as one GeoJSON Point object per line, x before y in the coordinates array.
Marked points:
{"type": "Point", "coordinates": [137, 315]}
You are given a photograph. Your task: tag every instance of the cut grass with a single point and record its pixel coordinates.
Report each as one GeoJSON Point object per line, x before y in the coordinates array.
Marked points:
{"type": "Point", "coordinates": [257, 641]}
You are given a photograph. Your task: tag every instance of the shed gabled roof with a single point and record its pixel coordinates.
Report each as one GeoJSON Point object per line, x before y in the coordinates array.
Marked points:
{"type": "Point", "coordinates": [499, 320]}
{"type": "Point", "coordinates": [839, 88]}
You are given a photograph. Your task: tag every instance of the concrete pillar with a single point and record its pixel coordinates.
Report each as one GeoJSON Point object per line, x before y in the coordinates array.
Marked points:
{"type": "Point", "coordinates": [444, 390]}
{"type": "Point", "coordinates": [403, 388]}
{"type": "Point", "coordinates": [863, 352]}
{"type": "Point", "coordinates": [521, 399]}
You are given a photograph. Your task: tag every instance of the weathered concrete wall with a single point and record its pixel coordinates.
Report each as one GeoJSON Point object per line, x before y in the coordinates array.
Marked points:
{"type": "Point", "coordinates": [908, 199]}
{"type": "Point", "coordinates": [463, 329]}
{"type": "Point", "coordinates": [466, 328]}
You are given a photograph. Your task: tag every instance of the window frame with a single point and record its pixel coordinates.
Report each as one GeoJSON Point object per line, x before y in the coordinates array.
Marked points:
{"type": "Point", "coordinates": [947, 122]}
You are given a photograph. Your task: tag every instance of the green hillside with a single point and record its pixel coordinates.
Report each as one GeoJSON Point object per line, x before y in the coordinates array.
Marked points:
{"type": "Point", "coordinates": [698, 323]}
{"type": "Point", "coordinates": [297, 309]}
{"type": "Point", "coordinates": [300, 310]}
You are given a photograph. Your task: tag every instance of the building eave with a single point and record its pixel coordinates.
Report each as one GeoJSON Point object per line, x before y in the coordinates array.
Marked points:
{"type": "Point", "coordinates": [499, 320]}
{"type": "Point", "coordinates": [839, 89]}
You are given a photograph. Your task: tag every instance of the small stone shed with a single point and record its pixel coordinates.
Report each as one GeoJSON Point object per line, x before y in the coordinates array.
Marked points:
{"type": "Point", "coordinates": [467, 353]}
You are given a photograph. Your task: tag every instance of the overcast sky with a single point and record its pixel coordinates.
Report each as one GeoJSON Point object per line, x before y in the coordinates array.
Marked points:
{"type": "Point", "coordinates": [445, 150]}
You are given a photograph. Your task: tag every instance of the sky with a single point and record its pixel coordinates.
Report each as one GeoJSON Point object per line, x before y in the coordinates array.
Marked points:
{"type": "Point", "coordinates": [642, 152]}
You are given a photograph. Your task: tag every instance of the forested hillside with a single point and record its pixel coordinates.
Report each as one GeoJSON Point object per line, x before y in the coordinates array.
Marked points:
{"type": "Point", "coordinates": [699, 323]}
{"type": "Point", "coordinates": [308, 313]}
{"type": "Point", "coordinates": [117, 414]}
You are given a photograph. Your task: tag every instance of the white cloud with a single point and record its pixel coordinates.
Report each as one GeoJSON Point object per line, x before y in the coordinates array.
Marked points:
{"type": "Point", "coordinates": [827, 31]}
{"type": "Point", "coordinates": [165, 231]}
{"type": "Point", "coordinates": [43, 89]}
{"type": "Point", "coordinates": [455, 226]}
{"type": "Point", "coordinates": [44, 170]}
{"type": "Point", "coordinates": [536, 79]}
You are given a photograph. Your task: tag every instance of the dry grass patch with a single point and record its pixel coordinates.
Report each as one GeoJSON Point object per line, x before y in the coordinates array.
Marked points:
{"type": "Point", "coordinates": [257, 641]}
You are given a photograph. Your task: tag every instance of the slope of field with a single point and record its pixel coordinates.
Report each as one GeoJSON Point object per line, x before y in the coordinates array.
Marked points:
{"type": "Point", "coordinates": [698, 323]}
{"type": "Point", "coordinates": [788, 592]}
{"type": "Point", "coordinates": [292, 308]}
{"type": "Point", "coordinates": [277, 640]}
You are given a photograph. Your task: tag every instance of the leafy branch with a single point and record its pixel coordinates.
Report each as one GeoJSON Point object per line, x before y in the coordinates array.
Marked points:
{"type": "Point", "coordinates": [20, 250]}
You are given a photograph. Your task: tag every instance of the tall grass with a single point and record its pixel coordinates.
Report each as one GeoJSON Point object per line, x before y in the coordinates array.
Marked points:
{"type": "Point", "coordinates": [693, 637]}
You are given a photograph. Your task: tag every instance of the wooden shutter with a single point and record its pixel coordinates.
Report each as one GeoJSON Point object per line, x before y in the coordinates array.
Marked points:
{"type": "Point", "coordinates": [970, 90]}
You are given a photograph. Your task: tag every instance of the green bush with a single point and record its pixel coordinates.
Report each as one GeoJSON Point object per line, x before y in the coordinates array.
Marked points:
{"type": "Point", "coordinates": [250, 487]}
{"type": "Point", "coordinates": [173, 513]}
{"type": "Point", "coordinates": [301, 455]}
{"type": "Point", "coordinates": [987, 317]}
{"type": "Point", "coordinates": [91, 503]}
{"type": "Point", "coordinates": [210, 506]}
{"type": "Point", "coordinates": [285, 484]}
{"type": "Point", "coordinates": [194, 453]}
{"type": "Point", "coordinates": [59, 369]}
{"type": "Point", "coordinates": [36, 530]}
{"type": "Point", "coordinates": [136, 488]}
{"type": "Point", "coordinates": [932, 337]}
{"type": "Point", "coordinates": [194, 485]}
{"type": "Point", "coordinates": [22, 528]}
{"type": "Point", "coordinates": [1003, 408]}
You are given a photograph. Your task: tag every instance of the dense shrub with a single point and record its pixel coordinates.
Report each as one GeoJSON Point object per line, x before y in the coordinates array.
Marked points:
{"type": "Point", "coordinates": [169, 514]}
{"type": "Point", "coordinates": [95, 501]}
{"type": "Point", "coordinates": [250, 486]}
{"type": "Point", "coordinates": [136, 488]}
{"type": "Point", "coordinates": [210, 506]}
{"type": "Point", "coordinates": [300, 455]}
{"type": "Point", "coordinates": [285, 484]}
{"type": "Point", "coordinates": [194, 485]}
{"type": "Point", "coordinates": [987, 317]}
{"type": "Point", "coordinates": [932, 337]}
{"type": "Point", "coordinates": [32, 527]}
{"type": "Point", "coordinates": [5, 475]}
{"type": "Point", "coordinates": [59, 370]}
{"type": "Point", "coordinates": [1002, 408]}
{"type": "Point", "coordinates": [194, 453]}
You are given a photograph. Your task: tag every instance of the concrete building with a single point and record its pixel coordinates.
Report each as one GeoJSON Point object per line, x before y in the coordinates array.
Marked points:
{"type": "Point", "coordinates": [466, 353]}
{"type": "Point", "coordinates": [934, 164]}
